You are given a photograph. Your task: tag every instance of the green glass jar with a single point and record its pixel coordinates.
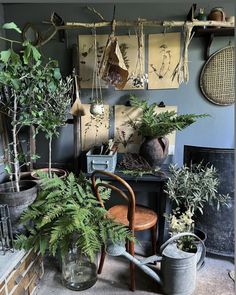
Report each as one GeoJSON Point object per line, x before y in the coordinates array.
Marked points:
{"type": "Point", "coordinates": [78, 272]}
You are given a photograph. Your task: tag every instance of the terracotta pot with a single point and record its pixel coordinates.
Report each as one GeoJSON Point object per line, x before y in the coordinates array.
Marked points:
{"type": "Point", "coordinates": [59, 172]}
{"type": "Point", "coordinates": [154, 150]}
{"type": "Point", "coordinates": [217, 14]}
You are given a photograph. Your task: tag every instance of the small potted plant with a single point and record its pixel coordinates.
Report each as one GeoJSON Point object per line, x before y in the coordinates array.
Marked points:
{"type": "Point", "coordinates": [50, 108]}
{"type": "Point", "coordinates": [69, 221]}
{"type": "Point", "coordinates": [189, 189]}
{"type": "Point", "coordinates": [155, 127]}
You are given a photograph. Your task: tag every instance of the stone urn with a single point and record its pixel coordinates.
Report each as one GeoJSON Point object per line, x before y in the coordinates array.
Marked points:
{"type": "Point", "coordinates": [154, 150]}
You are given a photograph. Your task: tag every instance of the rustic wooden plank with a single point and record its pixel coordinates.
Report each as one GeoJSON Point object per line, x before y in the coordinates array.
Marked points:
{"type": "Point", "coordinates": [2, 290]}
{"type": "Point", "coordinates": [14, 278]}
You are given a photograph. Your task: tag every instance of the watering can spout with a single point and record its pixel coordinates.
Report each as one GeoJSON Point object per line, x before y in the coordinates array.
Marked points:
{"type": "Point", "coordinates": [118, 250]}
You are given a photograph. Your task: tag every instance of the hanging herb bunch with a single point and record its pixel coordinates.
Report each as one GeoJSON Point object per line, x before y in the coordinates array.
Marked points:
{"type": "Point", "coordinates": [97, 106]}
{"type": "Point", "coordinates": [139, 78]}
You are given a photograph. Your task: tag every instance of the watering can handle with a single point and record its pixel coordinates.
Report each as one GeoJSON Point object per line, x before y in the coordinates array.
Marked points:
{"type": "Point", "coordinates": [177, 236]}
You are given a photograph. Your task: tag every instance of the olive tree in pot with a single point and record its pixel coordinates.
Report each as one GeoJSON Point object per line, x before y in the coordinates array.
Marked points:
{"type": "Point", "coordinates": [189, 189]}
{"type": "Point", "coordinates": [50, 107]}
{"type": "Point", "coordinates": [17, 78]}
{"type": "Point", "coordinates": [155, 127]}
{"type": "Point", "coordinates": [70, 223]}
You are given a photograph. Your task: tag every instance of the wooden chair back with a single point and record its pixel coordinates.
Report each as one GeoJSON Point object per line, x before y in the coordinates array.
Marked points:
{"type": "Point", "coordinates": [129, 195]}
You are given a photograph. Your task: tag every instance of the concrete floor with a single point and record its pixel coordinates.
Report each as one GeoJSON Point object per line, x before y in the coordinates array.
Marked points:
{"type": "Point", "coordinates": [212, 279]}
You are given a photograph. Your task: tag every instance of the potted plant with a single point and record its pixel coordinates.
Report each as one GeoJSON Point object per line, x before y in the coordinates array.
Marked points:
{"type": "Point", "coordinates": [50, 107]}
{"type": "Point", "coordinates": [189, 189]}
{"type": "Point", "coordinates": [155, 127]}
{"type": "Point", "coordinates": [69, 220]}
{"type": "Point", "coordinates": [17, 77]}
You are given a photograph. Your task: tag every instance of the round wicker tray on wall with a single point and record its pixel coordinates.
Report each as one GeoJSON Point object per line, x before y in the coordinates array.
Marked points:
{"type": "Point", "coordinates": [217, 77]}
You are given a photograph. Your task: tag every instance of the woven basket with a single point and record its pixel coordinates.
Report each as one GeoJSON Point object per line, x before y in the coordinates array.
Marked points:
{"type": "Point", "coordinates": [217, 77]}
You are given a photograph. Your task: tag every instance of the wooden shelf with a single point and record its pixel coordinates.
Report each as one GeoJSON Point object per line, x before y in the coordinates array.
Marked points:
{"type": "Point", "coordinates": [201, 32]}
{"type": "Point", "coordinates": [209, 34]}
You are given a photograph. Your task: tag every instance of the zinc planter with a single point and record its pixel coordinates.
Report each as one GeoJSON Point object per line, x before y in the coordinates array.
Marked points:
{"type": "Point", "coordinates": [18, 201]}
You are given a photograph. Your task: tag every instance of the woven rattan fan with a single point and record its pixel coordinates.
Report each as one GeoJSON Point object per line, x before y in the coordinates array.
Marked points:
{"type": "Point", "coordinates": [217, 77]}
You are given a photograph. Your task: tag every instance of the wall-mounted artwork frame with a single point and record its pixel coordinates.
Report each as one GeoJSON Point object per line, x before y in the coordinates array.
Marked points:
{"type": "Point", "coordinates": [129, 49]}
{"type": "Point", "coordinates": [163, 58]}
{"type": "Point", "coordinates": [94, 129]}
{"type": "Point", "coordinates": [126, 136]}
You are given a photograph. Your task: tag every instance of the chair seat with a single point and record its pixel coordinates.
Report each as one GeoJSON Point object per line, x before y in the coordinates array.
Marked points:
{"type": "Point", "coordinates": [145, 218]}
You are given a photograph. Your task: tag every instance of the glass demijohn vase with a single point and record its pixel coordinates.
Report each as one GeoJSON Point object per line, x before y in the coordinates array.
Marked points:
{"type": "Point", "coordinates": [78, 272]}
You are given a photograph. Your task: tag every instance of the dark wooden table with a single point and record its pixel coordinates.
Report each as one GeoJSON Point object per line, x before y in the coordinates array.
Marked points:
{"type": "Point", "coordinates": [153, 184]}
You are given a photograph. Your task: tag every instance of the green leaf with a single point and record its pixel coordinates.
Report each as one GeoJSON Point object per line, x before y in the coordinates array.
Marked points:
{"type": "Point", "coordinates": [11, 26]}
{"type": "Point", "coordinates": [15, 58]}
{"type": "Point", "coordinates": [57, 74]}
{"type": "Point", "coordinates": [5, 55]}
{"type": "Point", "coordinates": [36, 53]}
{"type": "Point", "coordinates": [26, 54]}
{"type": "Point", "coordinates": [15, 83]}
{"type": "Point", "coordinates": [35, 157]}
{"type": "Point", "coordinates": [8, 169]}
{"type": "Point", "coordinates": [43, 243]}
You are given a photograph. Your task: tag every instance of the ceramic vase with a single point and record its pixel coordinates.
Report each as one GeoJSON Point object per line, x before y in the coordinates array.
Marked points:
{"type": "Point", "coordinates": [154, 150]}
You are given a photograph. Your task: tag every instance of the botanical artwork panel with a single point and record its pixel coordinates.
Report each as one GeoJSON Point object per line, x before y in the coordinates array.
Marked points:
{"type": "Point", "coordinates": [86, 58]}
{"type": "Point", "coordinates": [127, 137]}
{"type": "Point", "coordinates": [163, 58]}
{"type": "Point", "coordinates": [94, 129]}
{"type": "Point", "coordinates": [128, 47]}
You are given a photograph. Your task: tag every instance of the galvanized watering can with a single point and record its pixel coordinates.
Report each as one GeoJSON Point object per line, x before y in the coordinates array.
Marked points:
{"type": "Point", "coordinates": [178, 268]}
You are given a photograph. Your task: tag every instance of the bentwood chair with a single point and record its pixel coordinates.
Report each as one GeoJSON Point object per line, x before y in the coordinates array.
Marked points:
{"type": "Point", "coordinates": [135, 217]}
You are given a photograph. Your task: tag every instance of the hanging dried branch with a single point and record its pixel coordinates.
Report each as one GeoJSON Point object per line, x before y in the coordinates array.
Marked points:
{"type": "Point", "coordinates": [96, 12]}
{"type": "Point", "coordinates": [148, 23]}
{"type": "Point", "coordinates": [187, 40]}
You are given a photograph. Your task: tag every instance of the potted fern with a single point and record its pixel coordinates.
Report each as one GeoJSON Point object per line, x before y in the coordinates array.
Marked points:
{"type": "Point", "coordinates": [69, 220]}
{"type": "Point", "coordinates": [155, 127]}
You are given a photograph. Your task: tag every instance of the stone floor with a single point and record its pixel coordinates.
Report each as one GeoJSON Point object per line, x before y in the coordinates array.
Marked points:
{"type": "Point", "coordinates": [212, 279]}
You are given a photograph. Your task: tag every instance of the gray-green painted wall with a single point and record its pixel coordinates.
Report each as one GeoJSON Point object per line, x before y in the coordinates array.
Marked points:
{"type": "Point", "coordinates": [215, 131]}
{"type": "Point", "coordinates": [2, 45]}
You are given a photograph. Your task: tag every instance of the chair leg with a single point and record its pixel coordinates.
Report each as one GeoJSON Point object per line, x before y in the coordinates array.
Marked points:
{"type": "Point", "coordinates": [127, 246]}
{"type": "Point", "coordinates": [132, 267]}
{"type": "Point", "coordinates": [154, 239]}
{"type": "Point", "coordinates": [102, 258]}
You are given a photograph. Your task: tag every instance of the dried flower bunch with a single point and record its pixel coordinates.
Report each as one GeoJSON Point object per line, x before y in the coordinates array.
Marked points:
{"type": "Point", "coordinates": [139, 80]}
{"type": "Point", "coordinates": [139, 77]}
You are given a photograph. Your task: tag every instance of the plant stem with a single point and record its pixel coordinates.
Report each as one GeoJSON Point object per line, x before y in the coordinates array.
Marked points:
{"type": "Point", "coordinates": [14, 131]}
{"type": "Point", "coordinates": [50, 157]}
{"type": "Point", "coordinates": [9, 40]}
